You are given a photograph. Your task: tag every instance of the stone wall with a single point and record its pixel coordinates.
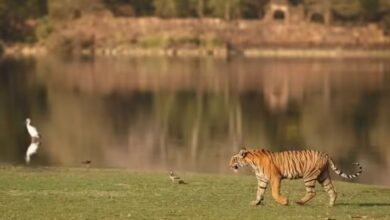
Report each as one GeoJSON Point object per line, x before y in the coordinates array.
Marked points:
{"type": "Point", "coordinates": [108, 35]}
{"type": "Point", "coordinates": [107, 31]}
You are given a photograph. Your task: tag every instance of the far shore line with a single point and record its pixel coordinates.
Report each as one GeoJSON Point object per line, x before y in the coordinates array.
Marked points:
{"type": "Point", "coordinates": [221, 52]}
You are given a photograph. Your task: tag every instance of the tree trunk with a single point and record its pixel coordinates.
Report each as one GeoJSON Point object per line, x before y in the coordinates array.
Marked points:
{"type": "Point", "coordinates": [227, 10]}
{"type": "Point", "coordinates": [200, 8]}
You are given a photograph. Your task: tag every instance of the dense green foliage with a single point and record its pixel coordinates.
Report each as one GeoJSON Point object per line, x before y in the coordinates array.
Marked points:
{"type": "Point", "coordinates": [61, 193]}
{"type": "Point", "coordinates": [19, 18]}
{"type": "Point", "coordinates": [15, 16]}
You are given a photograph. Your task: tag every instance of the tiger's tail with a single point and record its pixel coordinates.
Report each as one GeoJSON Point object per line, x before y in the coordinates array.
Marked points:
{"type": "Point", "coordinates": [344, 175]}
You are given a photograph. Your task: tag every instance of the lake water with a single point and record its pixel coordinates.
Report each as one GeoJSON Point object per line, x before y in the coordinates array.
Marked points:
{"type": "Point", "coordinates": [192, 114]}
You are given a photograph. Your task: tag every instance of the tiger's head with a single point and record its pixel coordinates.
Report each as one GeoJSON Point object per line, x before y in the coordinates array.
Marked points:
{"type": "Point", "coordinates": [238, 160]}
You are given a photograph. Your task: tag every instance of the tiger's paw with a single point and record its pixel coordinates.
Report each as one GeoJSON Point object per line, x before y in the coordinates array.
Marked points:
{"type": "Point", "coordinates": [283, 201]}
{"type": "Point", "coordinates": [300, 202]}
{"type": "Point", "coordinates": [255, 203]}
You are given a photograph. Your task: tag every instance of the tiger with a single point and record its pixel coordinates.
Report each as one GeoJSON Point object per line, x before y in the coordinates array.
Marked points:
{"type": "Point", "coordinates": [272, 167]}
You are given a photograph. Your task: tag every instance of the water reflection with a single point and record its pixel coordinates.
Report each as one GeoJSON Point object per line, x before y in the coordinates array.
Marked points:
{"type": "Point", "coordinates": [193, 113]}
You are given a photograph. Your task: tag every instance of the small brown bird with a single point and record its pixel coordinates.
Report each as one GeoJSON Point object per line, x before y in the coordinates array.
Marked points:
{"type": "Point", "coordinates": [175, 179]}
{"type": "Point", "coordinates": [86, 162]}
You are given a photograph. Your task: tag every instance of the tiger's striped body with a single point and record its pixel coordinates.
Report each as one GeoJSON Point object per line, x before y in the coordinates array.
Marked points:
{"type": "Point", "coordinates": [272, 167]}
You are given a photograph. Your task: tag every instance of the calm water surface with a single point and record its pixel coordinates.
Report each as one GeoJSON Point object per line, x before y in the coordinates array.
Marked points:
{"type": "Point", "coordinates": [192, 114]}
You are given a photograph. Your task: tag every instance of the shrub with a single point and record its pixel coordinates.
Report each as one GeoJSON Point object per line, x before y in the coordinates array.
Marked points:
{"type": "Point", "coordinates": [63, 44]}
{"type": "Point", "coordinates": [60, 44]}
{"type": "Point", "coordinates": [212, 41]}
{"type": "Point", "coordinates": [155, 41]}
{"type": "Point", "coordinates": [385, 24]}
{"type": "Point", "coordinates": [43, 29]}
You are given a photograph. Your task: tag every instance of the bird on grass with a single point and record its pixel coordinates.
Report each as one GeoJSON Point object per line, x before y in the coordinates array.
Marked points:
{"type": "Point", "coordinates": [87, 163]}
{"type": "Point", "coordinates": [175, 179]}
{"type": "Point", "coordinates": [32, 149]}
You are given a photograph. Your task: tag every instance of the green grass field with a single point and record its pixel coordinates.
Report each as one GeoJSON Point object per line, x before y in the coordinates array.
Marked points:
{"type": "Point", "coordinates": [82, 193]}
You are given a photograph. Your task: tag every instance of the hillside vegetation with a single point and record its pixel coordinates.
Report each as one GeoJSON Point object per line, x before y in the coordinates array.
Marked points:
{"type": "Point", "coordinates": [32, 20]}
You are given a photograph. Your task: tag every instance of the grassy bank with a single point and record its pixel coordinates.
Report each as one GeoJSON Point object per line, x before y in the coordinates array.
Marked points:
{"type": "Point", "coordinates": [81, 193]}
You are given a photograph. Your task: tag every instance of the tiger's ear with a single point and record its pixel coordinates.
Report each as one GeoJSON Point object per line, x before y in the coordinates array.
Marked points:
{"type": "Point", "coordinates": [243, 152]}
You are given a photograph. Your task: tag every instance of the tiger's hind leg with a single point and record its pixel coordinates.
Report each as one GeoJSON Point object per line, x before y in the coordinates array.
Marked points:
{"type": "Point", "coordinates": [326, 182]}
{"type": "Point", "coordinates": [310, 184]}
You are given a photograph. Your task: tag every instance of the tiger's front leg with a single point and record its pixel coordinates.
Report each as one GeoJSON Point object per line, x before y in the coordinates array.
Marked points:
{"type": "Point", "coordinates": [275, 184]}
{"type": "Point", "coordinates": [261, 187]}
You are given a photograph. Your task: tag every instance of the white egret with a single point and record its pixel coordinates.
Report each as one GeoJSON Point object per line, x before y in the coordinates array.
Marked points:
{"type": "Point", "coordinates": [32, 149]}
{"type": "Point", "coordinates": [32, 130]}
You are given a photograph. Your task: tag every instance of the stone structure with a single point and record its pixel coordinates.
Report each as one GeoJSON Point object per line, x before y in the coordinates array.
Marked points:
{"type": "Point", "coordinates": [285, 11]}
{"type": "Point", "coordinates": [278, 10]}
{"type": "Point", "coordinates": [319, 12]}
